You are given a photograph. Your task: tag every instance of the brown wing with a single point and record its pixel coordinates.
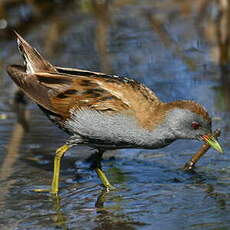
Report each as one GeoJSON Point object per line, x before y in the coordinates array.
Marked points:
{"type": "Point", "coordinates": [104, 93]}
{"type": "Point", "coordinates": [30, 86]}
{"type": "Point", "coordinates": [73, 88]}
{"type": "Point", "coordinates": [32, 58]}
{"type": "Point", "coordinates": [61, 89]}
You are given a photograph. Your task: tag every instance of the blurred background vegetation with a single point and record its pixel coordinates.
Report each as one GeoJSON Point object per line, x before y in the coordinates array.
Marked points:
{"type": "Point", "coordinates": [180, 49]}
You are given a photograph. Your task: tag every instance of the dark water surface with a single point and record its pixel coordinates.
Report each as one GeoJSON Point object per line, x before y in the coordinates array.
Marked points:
{"type": "Point", "coordinates": [181, 50]}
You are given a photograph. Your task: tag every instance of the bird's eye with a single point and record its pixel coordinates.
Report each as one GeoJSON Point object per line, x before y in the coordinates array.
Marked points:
{"type": "Point", "coordinates": [195, 125]}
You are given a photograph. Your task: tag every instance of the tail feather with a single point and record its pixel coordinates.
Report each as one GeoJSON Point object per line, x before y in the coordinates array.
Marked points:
{"type": "Point", "coordinates": [34, 62]}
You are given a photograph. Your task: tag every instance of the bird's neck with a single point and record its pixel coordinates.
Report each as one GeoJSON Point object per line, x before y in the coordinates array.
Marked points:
{"type": "Point", "coordinates": [160, 136]}
{"type": "Point", "coordinates": [155, 116]}
{"type": "Point", "coordinates": [159, 132]}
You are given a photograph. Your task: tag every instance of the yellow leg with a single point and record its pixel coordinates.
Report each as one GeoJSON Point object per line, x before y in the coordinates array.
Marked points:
{"type": "Point", "coordinates": [57, 163]}
{"type": "Point", "coordinates": [104, 179]}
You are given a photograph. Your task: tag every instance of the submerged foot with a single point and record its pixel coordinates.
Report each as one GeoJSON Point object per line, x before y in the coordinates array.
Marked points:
{"type": "Point", "coordinates": [45, 190]}
{"type": "Point", "coordinates": [109, 187]}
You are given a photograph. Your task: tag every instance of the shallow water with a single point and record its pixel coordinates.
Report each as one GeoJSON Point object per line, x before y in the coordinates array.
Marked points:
{"type": "Point", "coordinates": [171, 46]}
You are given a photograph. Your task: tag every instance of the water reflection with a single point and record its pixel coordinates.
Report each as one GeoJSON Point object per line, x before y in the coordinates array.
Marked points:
{"type": "Point", "coordinates": [15, 141]}
{"type": "Point", "coordinates": [104, 218]}
{"type": "Point", "coordinates": [60, 220]}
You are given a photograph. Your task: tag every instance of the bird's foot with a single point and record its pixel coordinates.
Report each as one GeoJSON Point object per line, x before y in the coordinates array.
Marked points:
{"type": "Point", "coordinates": [104, 180]}
{"type": "Point", "coordinates": [46, 190]}
{"type": "Point", "coordinates": [109, 187]}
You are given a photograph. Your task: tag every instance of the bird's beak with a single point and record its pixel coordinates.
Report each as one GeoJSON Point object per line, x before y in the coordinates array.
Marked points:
{"type": "Point", "coordinates": [210, 139]}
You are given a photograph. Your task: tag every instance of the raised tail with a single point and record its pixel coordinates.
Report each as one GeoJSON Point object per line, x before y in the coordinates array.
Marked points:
{"type": "Point", "coordinates": [34, 62]}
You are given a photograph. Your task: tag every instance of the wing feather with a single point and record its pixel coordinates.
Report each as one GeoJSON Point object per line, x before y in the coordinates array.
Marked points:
{"type": "Point", "coordinates": [59, 90]}
{"type": "Point", "coordinates": [76, 89]}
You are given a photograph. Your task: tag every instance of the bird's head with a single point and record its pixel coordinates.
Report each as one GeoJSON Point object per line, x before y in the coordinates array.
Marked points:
{"type": "Point", "coordinates": [190, 120]}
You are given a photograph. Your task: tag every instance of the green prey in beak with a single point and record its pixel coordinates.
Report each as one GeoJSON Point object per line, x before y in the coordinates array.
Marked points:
{"type": "Point", "coordinates": [210, 139]}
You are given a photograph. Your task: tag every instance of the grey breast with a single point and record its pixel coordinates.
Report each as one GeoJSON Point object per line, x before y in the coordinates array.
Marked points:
{"type": "Point", "coordinates": [118, 130]}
